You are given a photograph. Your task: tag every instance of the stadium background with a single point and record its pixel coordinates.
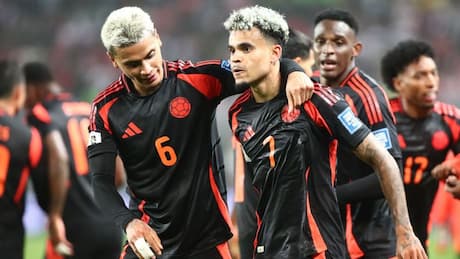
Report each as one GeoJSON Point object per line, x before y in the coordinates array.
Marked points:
{"type": "Point", "coordinates": [65, 34]}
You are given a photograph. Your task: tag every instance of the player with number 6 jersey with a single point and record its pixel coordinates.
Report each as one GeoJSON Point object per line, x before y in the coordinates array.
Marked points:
{"type": "Point", "coordinates": [157, 117]}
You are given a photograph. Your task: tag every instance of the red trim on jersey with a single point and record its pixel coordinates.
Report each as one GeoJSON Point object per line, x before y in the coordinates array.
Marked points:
{"type": "Point", "coordinates": [316, 236]}
{"type": "Point", "coordinates": [351, 104]}
{"type": "Point", "coordinates": [451, 115]}
{"type": "Point", "coordinates": [140, 207]}
{"type": "Point", "coordinates": [224, 250]}
{"type": "Point", "coordinates": [396, 105]}
{"type": "Point", "coordinates": [368, 98]}
{"type": "Point", "coordinates": [316, 116]}
{"type": "Point", "coordinates": [220, 202]}
{"type": "Point", "coordinates": [352, 73]}
{"type": "Point", "coordinates": [333, 159]}
{"type": "Point", "coordinates": [22, 185]}
{"type": "Point", "coordinates": [35, 148]}
{"type": "Point", "coordinates": [124, 251]}
{"type": "Point", "coordinates": [321, 255]}
{"type": "Point", "coordinates": [325, 93]}
{"type": "Point", "coordinates": [50, 253]}
{"type": "Point", "coordinates": [259, 224]}
{"type": "Point", "coordinates": [237, 103]}
{"type": "Point", "coordinates": [352, 245]}
{"type": "Point", "coordinates": [41, 113]}
{"type": "Point", "coordinates": [207, 85]}
{"type": "Point", "coordinates": [112, 88]}
{"type": "Point", "coordinates": [104, 113]}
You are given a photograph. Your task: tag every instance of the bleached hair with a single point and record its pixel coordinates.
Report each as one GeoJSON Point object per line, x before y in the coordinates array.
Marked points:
{"type": "Point", "coordinates": [269, 21]}
{"type": "Point", "coordinates": [125, 27]}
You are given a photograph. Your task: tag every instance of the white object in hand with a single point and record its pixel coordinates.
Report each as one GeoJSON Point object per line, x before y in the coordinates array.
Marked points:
{"type": "Point", "coordinates": [63, 249]}
{"type": "Point", "coordinates": [144, 249]}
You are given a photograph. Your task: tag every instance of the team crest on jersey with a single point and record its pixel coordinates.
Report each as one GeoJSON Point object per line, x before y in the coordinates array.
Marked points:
{"type": "Point", "coordinates": [439, 140]}
{"type": "Point", "coordinates": [289, 117]}
{"type": "Point", "coordinates": [349, 120]}
{"type": "Point", "coordinates": [180, 107]}
{"type": "Point", "coordinates": [94, 138]}
{"type": "Point", "coordinates": [383, 136]}
{"type": "Point", "coordinates": [225, 64]}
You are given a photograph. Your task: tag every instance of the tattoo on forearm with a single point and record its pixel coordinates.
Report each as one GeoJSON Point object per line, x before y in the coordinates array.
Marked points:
{"type": "Point", "coordinates": [390, 179]}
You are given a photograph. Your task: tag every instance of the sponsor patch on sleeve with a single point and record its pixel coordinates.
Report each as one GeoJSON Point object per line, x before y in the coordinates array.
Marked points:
{"type": "Point", "coordinates": [226, 65]}
{"type": "Point", "coordinates": [349, 120]}
{"type": "Point", "coordinates": [94, 138]}
{"type": "Point", "coordinates": [383, 136]}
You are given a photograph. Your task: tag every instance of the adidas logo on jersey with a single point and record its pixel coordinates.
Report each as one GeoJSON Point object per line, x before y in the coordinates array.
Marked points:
{"type": "Point", "coordinates": [131, 130]}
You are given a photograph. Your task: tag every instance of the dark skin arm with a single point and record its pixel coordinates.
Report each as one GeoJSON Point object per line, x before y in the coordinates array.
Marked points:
{"type": "Point", "coordinates": [373, 153]}
{"type": "Point", "coordinates": [58, 166]}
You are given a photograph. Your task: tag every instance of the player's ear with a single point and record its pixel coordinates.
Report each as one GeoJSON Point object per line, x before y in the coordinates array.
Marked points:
{"type": "Point", "coordinates": [277, 51]}
{"type": "Point", "coordinates": [397, 84]}
{"type": "Point", "coordinates": [112, 59]}
{"type": "Point", "coordinates": [357, 47]}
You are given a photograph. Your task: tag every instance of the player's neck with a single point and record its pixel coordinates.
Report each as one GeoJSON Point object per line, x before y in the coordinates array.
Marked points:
{"type": "Point", "coordinates": [413, 111]}
{"type": "Point", "coordinates": [7, 107]}
{"type": "Point", "coordinates": [267, 87]}
{"type": "Point", "coordinates": [337, 81]}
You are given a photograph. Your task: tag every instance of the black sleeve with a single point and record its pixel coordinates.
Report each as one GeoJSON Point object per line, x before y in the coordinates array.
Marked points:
{"type": "Point", "coordinates": [105, 193]}
{"type": "Point", "coordinates": [288, 66]}
{"type": "Point", "coordinates": [366, 188]}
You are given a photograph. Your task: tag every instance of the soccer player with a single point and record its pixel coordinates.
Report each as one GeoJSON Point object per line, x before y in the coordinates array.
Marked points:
{"type": "Point", "coordinates": [290, 156]}
{"type": "Point", "coordinates": [370, 231]}
{"type": "Point", "coordinates": [299, 48]}
{"type": "Point", "coordinates": [427, 129]}
{"type": "Point", "coordinates": [63, 122]}
{"type": "Point", "coordinates": [20, 153]}
{"type": "Point", "coordinates": [157, 117]}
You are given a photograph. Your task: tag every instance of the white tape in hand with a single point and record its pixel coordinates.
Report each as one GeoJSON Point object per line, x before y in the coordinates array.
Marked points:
{"type": "Point", "coordinates": [63, 249]}
{"type": "Point", "coordinates": [144, 249]}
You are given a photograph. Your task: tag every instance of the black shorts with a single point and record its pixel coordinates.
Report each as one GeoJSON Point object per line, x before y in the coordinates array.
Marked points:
{"type": "Point", "coordinates": [221, 251]}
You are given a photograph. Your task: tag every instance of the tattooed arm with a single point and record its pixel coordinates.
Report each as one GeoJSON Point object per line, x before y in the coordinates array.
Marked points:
{"type": "Point", "coordinates": [373, 153]}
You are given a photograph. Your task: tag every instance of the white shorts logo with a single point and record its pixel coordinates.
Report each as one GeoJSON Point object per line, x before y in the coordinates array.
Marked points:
{"type": "Point", "coordinates": [94, 138]}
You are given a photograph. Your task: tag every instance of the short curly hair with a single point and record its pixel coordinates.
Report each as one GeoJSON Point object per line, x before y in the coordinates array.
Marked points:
{"type": "Point", "coordinates": [402, 55]}
{"type": "Point", "coordinates": [338, 15]}
{"type": "Point", "coordinates": [268, 21]}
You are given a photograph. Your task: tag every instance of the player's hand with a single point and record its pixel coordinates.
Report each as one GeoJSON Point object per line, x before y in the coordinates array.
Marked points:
{"type": "Point", "coordinates": [57, 236]}
{"type": "Point", "coordinates": [299, 88]}
{"type": "Point", "coordinates": [453, 186]}
{"type": "Point", "coordinates": [442, 170]}
{"type": "Point", "coordinates": [143, 239]}
{"type": "Point", "coordinates": [408, 245]}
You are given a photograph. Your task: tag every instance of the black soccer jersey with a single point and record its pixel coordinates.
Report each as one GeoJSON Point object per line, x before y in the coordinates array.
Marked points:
{"type": "Point", "coordinates": [291, 159]}
{"type": "Point", "coordinates": [71, 118]}
{"type": "Point", "coordinates": [369, 224]}
{"type": "Point", "coordinates": [20, 152]}
{"type": "Point", "coordinates": [425, 143]}
{"type": "Point", "coordinates": [164, 142]}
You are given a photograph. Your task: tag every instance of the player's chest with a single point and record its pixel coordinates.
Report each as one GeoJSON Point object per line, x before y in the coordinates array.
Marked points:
{"type": "Point", "coordinates": [270, 131]}
{"type": "Point", "coordinates": [430, 135]}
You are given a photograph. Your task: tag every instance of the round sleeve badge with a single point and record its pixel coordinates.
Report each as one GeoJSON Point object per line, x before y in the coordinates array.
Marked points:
{"type": "Point", "coordinates": [179, 107]}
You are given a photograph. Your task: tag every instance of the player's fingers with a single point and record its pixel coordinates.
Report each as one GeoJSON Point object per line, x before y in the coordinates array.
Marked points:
{"type": "Point", "coordinates": [290, 102]}
{"type": "Point", "coordinates": [155, 243]}
{"type": "Point", "coordinates": [142, 249]}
